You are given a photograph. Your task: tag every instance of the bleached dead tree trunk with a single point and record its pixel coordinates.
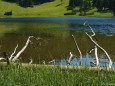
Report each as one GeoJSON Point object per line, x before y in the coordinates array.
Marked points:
{"type": "Point", "coordinates": [14, 58]}
{"type": "Point", "coordinates": [1, 58]}
{"type": "Point", "coordinates": [91, 38]}
{"type": "Point", "coordinates": [78, 49]}
{"type": "Point", "coordinates": [12, 55]}
{"type": "Point", "coordinates": [70, 58]}
{"type": "Point", "coordinates": [96, 56]}
{"type": "Point", "coordinates": [22, 50]}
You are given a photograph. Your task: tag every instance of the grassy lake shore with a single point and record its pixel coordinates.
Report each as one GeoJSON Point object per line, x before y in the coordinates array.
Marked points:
{"type": "Point", "coordinates": [18, 75]}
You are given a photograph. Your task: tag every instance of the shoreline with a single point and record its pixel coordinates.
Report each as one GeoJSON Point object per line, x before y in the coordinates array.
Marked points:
{"type": "Point", "coordinates": [57, 17]}
{"type": "Point", "coordinates": [56, 66]}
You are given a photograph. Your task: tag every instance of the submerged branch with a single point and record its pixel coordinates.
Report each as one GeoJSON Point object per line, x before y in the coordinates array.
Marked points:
{"type": "Point", "coordinates": [110, 61]}
{"type": "Point", "coordinates": [96, 56]}
{"type": "Point", "coordinates": [92, 49]}
{"type": "Point", "coordinates": [2, 59]}
{"type": "Point", "coordinates": [12, 55]}
{"type": "Point", "coordinates": [70, 58]}
{"type": "Point", "coordinates": [78, 49]}
{"type": "Point", "coordinates": [22, 50]}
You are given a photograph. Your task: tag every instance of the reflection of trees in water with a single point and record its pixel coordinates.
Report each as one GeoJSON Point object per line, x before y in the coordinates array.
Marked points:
{"type": "Point", "coordinates": [56, 43]}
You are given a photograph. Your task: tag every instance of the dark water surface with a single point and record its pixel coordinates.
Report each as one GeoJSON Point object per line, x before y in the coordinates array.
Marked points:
{"type": "Point", "coordinates": [56, 42]}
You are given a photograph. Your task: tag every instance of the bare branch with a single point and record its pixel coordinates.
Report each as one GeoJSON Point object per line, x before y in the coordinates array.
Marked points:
{"type": "Point", "coordinates": [22, 50]}
{"type": "Point", "coordinates": [31, 61]}
{"type": "Point", "coordinates": [91, 30]}
{"type": "Point", "coordinates": [70, 58]}
{"type": "Point", "coordinates": [2, 59]}
{"type": "Point", "coordinates": [85, 23]}
{"type": "Point", "coordinates": [52, 61]}
{"type": "Point", "coordinates": [78, 49]}
{"type": "Point", "coordinates": [89, 27]}
{"type": "Point", "coordinates": [110, 61]}
{"type": "Point", "coordinates": [96, 56]}
{"type": "Point", "coordinates": [91, 50]}
{"type": "Point", "coordinates": [12, 55]}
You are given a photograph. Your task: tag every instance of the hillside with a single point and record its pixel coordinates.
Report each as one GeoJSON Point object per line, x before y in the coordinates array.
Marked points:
{"type": "Point", "coordinates": [49, 9]}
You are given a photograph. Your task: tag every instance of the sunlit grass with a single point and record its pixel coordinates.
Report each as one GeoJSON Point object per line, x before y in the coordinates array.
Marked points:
{"type": "Point", "coordinates": [47, 9]}
{"type": "Point", "coordinates": [54, 76]}
{"type": "Point", "coordinates": [50, 9]}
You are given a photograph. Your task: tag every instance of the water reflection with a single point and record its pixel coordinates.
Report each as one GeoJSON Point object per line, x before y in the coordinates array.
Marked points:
{"type": "Point", "coordinates": [56, 42]}
{"type": "Point", "coordinates": [87, 61]}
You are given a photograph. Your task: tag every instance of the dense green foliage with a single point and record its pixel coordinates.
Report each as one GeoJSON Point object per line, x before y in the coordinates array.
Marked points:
{"type": "Point", "coordinates": [29, 3]}
{"type": "Point", "coordinates": [101, 5]}
{"type": "Point", "coordinates": [45, 76]}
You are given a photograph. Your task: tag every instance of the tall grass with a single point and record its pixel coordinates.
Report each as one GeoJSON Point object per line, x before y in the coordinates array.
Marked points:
{"type": "Point", "coordinates": [54, 76]}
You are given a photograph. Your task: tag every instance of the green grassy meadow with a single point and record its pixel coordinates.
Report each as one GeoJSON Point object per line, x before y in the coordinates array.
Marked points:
{"type": "Point", "coordinates": [50, 9]}
{"type": "Point", "coordinates": [54, 76]}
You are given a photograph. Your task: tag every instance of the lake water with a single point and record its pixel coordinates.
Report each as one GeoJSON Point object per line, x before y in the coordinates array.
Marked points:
{"type": "Point", "coordinates": [56, 41]}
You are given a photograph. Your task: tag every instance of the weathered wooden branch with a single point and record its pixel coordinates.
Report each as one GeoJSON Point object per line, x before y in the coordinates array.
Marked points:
{"type": "Point", "coordinates": [92, 31]}
{"type": "Point", "coordinates": [96, 56]}
{"type": "Point", "coordinates": [1, 58]}
{"type": "Point", "coordinates": [91, 38]}
{"type": "Point", "coordinates": [92, 49]}
{"type": "Point", "coordinates": [23, 49]}
{"type": "Point", "coordinates": [78, 49]}
{"type": "Point", "coordinates": [12, 55]}
{"type": "Point", "coordinates": [70, 58]}
{"type": "Point", "coordinates": [31, 61]}
{"type": "Point", "coordinates": [52, 61]}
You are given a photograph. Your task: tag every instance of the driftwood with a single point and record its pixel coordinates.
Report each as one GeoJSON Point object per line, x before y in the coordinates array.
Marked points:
{"type": "Point", "coordinates": [70, 58]}
{"type": "Point", "coordinates": [96, 56]}
{"type": "Point", "coordinates": [31, 61]}
{"type": "Point", "coordinates": [17, 56]}
{"type": "Point", "coordinates": [95, 42]}
{"type": "Point", "coordinates": [78, 49]}
{"type": "Point", "coordinates": [12, 55]}
{"type": "Point", "coordinates": [23, 49]}
{"type": "Point", "coordinates": [1, 58]}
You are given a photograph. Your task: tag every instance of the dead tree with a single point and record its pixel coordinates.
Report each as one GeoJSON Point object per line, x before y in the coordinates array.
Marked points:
{"type": "Point", "coordinates": [96, 56]}
{"type": "Point", "coordinates": [70, 58]}
{"type": "Point", "coordinates": [97, 45]}
{"type": "Point", "coordinates": [78, 49]}
{"type": "Point", "coordinates": [22, 50]}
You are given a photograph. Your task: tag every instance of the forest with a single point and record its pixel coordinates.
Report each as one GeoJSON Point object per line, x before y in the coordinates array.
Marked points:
{"type": "Point", "coordinates": [101, 5]}
{"type": "Point", "coordinates": [29, 3]}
